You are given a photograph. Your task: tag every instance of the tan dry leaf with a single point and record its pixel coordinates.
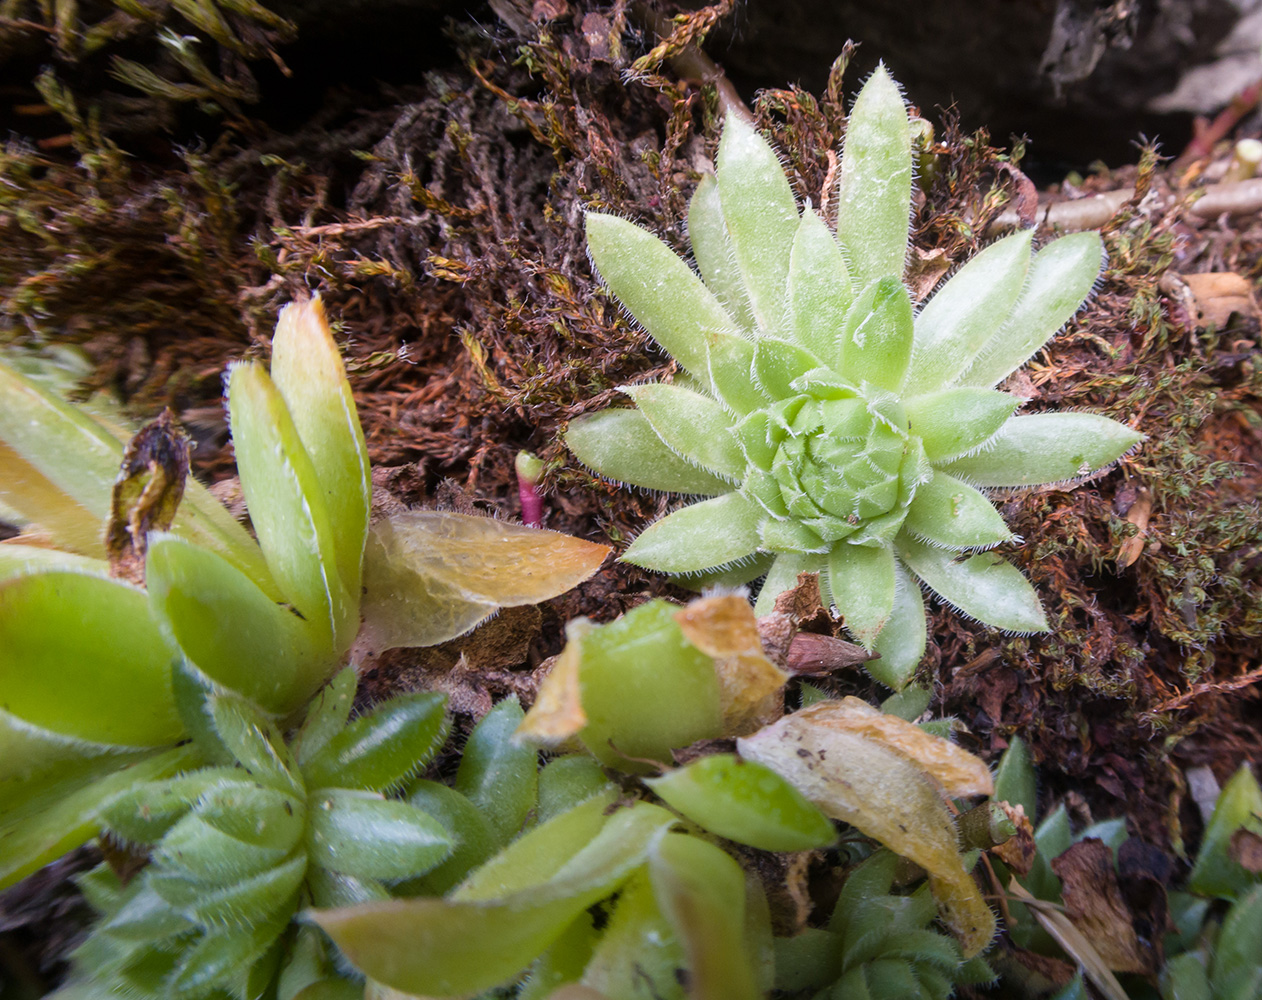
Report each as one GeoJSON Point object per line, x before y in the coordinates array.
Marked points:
{"type": "Point", "coordinates": [856, 774]}
{"type": "Point", "coordinates": [1138, 515]}
{"type": "Point", "coordinates": [750, 685]}
{"type": "Point", "coordinates": [958, 772]}
{"type": "Point", "coordinates": [1018, 851]}
{"type": "Point", "coordinates": [557, 714]}
{"type": "Point", "coordinates": [1095, 905]}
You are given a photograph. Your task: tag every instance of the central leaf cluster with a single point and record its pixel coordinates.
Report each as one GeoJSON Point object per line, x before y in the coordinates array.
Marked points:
{"type": "Point", "coordinates": [840, 468]}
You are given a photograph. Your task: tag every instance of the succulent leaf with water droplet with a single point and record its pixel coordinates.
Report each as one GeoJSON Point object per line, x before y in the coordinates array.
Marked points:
{"type": "Point", "coordinates": [830, 426]}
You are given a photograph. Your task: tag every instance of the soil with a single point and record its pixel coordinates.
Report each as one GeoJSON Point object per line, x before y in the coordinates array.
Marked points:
{"type": "Point", "coordinates": [441, 218]}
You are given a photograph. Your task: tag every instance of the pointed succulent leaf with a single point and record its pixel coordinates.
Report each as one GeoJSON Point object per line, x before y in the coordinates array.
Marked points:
{"type": "Point", "coordinates": [701, 536]}
{"type": "Point", "coordinates": [637, 950]}
{"type": "Point", "coordinates": [901, 644]}
{"type": "Point", "coordinates": [777, 363]}
{"type": "Point", "coordinates": [622, 445]}
{"type": "Point", "coordinates": [861, 583]}
{"type": "Point", "coordinates": [849, 774]}
{"type": "Point", "coordinates": [702, 891]}
{"type": "Point", "coordinates": [254, 742]}
{"type": "Point", "coordinates": [144, 916]}
{"type": "Point", "coordinates": [382, 749]}
{"type": "Point", "coordinates": [731, 366]}
{"type": "Point", "coordinates": [195, 849]}
{"type": "Point", "coordinates": [1239, 807]}
{"type": "Point", "coordinates": [1047, 448]}
{"type": "Point", "coordinates": [712, 249]}
{"type": "Point", "coordinates": [909, 704]}
{"type": "Point", "coordinates": [983, 586]}
{"type": "Point", "coordinates": [330, 888]}
{"type": "Point", "coordinates": [1236, 972]}
{"type": "Point", "coordinates": [230, 629]}
{"type": "Point", "coordinates": [65, 810]}
{"type": "Point", "coordinates": [472, 837]}
{"type": "Point", "coordinates": [42, 505]}
{"type": "Point", "coordinates": [877, 335]}
{"type": "Point", "coordinates": [537, 855]}
{"type": "Point", "coordinates": [497, 774]}
{"type": "Point", "coordinates": [964, 314]}
{"type": "Point", "coordinates": [309, 375]}
{"type": "Point", "coordinates": [449, 947]}
{"type": "Point", "coordinates": [566, 781]}
{"type": "Point", "coordinates": [693, 426]}
{"type": "Point", "coordinates": [326, 715]}
{"type": "Point", "coordinates": [1015, 780]}
{"type": "Point", "coordinates": [252, 813]}
{"type": "Point", "coordinates": [658, 289]}
{"type": "Point", "coordinates": [819, 290]}
{"type": "Point", "coordinates": [287, 505]}
{"type": "Point", "coordinates": [1059, 281]}
{"type": "Point", "coordinates": [745, 802]}
{"type": "Point", "coordinates": [82, 658]}
{"type": "Point", "coordinates": [761, 215]}
{"type": "Point", "coordinates": [219, 959]}
{"type": "Point", "coordinates": [246, 901]}
{"type": "Point", "coordinates": [874, 187]}
{"type": "Point", "coordinates": [950, 514]}
{"type": "Point", "coordinates": [146, 811]}
{"type": "Point", "coordinates": [953, 422]}
{"type": "Point", "coordinates": [363, 835]}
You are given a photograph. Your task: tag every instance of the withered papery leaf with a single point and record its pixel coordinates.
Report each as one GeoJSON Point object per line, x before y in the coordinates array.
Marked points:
{"type": "Point", "coordinates": [432, 575]}
{"type": "Point", "coordinates": [724, 628]}
{"type": "Point", "coordinates": [1095, 905]}
{"type": "Point", "coordinates": [557, 713]}
{"type": "Point", "coordinates": [860, 775]}
{"type": "Point", "coordinates": [146, 494]}
{"type": "Point", "coordinates": [958, 772]}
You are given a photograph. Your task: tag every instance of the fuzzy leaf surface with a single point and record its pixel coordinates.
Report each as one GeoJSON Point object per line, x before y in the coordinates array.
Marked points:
{"type": "Point", "coordinates": [691, 425]}
{"type": "Point", "coordinates": [963, 315]}
{"type": "Point", "coordinates": [984, 586]}
{"type": "Point", "coordinates": [383, 748]}
{"type": "Point", "coordinates": [497, 774]}
{"type": "Point", "coordinates": [1059, 281]}
{"type": "Point", "coordinates": [658, 289]}
{"type": "Point", "coordinates": [712, 249]}
{"type": "Point", "coordinates": [952, 422]}
{"type": "Point", "coordinates": [874, 186]}
{"type": "Point", "coordinates": [700, 536]}
{"type": "Point", "coordinates": [819, 290]}
{"type": "Point", "coordinates": [369, 837]}
{"type": "Point", "coordinates": [901, 644]}
{"type": "Point", "coordinates": [1047, 448]}
{"type": "Point", "coordinates": [761, 215]}
{"type": "Point", "coordinates": [472, 837]}
{"type": "Point", "coordinates": [621, 445]}
{"type": "Point", "coordinates": [949, 513]}
{"type": "Point", "coordinates": [877, 335]}
{"type": "Point", "coordinates": [861, 582]}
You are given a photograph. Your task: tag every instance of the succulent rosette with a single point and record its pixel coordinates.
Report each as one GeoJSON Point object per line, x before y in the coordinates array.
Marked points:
{"type": "Point", "coordinates": [832, 427]}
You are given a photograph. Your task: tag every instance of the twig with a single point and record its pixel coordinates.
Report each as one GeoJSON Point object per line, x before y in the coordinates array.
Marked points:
{"type": "Point", "coordinates": [1210, 135]}
{"type": "Point", "coordinates": [1209, 687]}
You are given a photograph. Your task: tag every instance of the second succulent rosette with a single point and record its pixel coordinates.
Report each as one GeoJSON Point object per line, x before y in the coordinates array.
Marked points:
{"type": "Point", "coordinates": [833, 428]}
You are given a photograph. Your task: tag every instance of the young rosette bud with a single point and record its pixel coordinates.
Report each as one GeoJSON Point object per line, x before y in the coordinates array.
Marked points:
{"type": "Point", "coordinates": [832, 428]}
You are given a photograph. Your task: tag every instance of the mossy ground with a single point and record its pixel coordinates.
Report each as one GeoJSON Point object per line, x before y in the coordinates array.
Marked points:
{"type": "Point", "coordinates": [443, 224]}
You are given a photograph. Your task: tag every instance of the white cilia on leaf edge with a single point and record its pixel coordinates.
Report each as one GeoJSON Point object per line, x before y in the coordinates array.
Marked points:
{"type": "Point", "coordinates": [833, 429]}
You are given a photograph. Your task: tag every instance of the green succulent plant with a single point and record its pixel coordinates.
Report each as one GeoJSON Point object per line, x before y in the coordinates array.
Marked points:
{"type": "Point", "coordinates": [877, 944]}
{"type": "Point", "coordinates": [117, 578]}
{"type": "Point", "coordinates": [834, 428]}
{"type": "Point", "coordinates": [237, 847]}
{"type": "Point", "coordinates": [631, 891]}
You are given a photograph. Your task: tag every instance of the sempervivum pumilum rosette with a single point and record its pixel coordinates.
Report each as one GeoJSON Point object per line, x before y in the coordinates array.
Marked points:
{"type": "Point", "coordinates": [833, 428]}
